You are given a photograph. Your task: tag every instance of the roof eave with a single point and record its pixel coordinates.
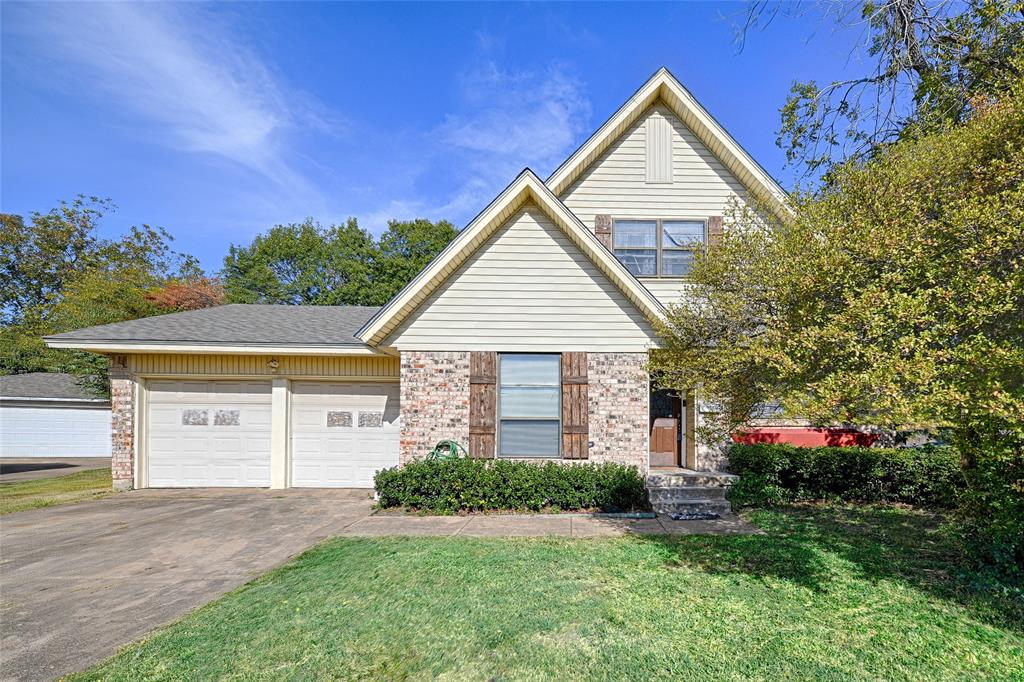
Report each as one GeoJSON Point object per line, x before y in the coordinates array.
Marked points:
{"type": "Point", "coordinates": [143, 346]}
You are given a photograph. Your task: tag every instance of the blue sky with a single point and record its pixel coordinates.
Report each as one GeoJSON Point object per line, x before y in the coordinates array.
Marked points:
{"type": "Point", "coordinates": [217, 121]}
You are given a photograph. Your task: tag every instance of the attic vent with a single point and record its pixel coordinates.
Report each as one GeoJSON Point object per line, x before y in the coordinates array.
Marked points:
{"type": "Point", "coordinates": [659, 149]}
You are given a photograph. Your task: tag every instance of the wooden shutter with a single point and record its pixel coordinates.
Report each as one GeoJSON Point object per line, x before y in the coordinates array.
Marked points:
{"type": "Point", "coordinates": [603, 230]}
{"type": "Point", "coordinates": [715, 230]}
{"type": "Point", "coordinates": [575, 425]}
{"type": "Point", "coordinates": [483, 378]}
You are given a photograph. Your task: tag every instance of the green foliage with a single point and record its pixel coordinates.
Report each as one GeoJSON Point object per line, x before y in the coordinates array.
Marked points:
{"type": "Point", "coordinates": [309, 264]}
{"type": "Point", "coordinates": [774, 474]}
{"type": "Point", "coordinates": [456, 485]}
{"type": "Point", "coordinates": [57, 274]}
{"type": "Point", "coordinates": [926, 64]}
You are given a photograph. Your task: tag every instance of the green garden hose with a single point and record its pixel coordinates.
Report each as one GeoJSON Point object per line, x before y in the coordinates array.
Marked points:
{"type": "Point", "coordinates": [447, 449]}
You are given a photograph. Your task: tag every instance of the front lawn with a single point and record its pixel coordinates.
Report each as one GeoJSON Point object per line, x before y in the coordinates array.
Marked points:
{"type": "Point", "coordinates": [828, 593]}
{"type": "Point", "coordinates": [90, 484]}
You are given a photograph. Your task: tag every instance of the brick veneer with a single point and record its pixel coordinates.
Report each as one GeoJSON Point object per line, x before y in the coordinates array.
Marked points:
{"type": "Point", "coordinates": [435, 404]}
{"type": "Point", "coordinates": [434, 401]}
{"type": "Point", "coordinates": [619, 410]}
{"type": "Point", "coordinates": [122, 409]}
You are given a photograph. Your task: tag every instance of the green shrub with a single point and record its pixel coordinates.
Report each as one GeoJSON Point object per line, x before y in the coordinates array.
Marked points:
{"type": "Point", "coordinates": [773, 474]}
{"type": "Point", "coordinates": [449, 486]}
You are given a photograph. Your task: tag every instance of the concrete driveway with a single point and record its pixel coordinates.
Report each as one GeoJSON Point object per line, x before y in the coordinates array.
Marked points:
{"type": "Point", "coordinates": [79, 581]}
{"type": "Point", "coordinates": [25, 469]}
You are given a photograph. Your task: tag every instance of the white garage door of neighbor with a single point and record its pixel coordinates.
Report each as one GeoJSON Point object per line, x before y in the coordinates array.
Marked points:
{"type": "Point", "coordinates": [27, 431]}
{"type": "Point", "coordinates": [342, 434]}
{"type": "Point", "coordinates": [208, 434]}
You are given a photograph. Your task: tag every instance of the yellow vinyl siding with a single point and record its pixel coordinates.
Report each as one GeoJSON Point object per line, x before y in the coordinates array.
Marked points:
{"type": "Point", "coordinates": [616, 184]}
{"type": "Point", "coordinates": [167, 364]}
{"type": "Point", "coordinates": [527, 288]}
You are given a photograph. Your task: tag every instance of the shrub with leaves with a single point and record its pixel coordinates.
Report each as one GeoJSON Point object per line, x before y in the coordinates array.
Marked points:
{"type": "Point", "coordinates": [772, 474]}
{"type": "Point", "coordinates": [464, 485]}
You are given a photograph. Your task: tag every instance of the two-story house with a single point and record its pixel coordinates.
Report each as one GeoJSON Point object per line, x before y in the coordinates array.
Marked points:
{"type": "Point", "coordinates": [527, 337]}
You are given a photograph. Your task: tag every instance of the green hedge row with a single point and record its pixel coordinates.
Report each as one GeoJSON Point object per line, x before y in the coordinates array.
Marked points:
{"type": "Point", "coordinates": [771, 474]}
{"type": "Point", "coordinates": [449, 486]}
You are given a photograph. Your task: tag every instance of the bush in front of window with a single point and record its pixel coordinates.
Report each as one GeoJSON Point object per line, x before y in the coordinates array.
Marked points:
{"type": "Point", "coordinates": [775, 474]}
{"type": "Point", "coordinates": [473, 485]}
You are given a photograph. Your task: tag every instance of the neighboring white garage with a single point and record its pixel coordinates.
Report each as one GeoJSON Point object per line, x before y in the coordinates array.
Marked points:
{"type": "Point", "coordinates": [50, 415]}
{"type": "Point", "coordinates": [208, 434]}
{"type": "Point", "coordinates": [343, 433]}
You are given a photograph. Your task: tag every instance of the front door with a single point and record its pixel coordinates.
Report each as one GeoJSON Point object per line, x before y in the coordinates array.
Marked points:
{"type": "Point", "coordinates": [667, 428]}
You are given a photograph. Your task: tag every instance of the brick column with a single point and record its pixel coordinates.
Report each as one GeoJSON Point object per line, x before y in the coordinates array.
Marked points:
{"type": "Point", "coordinates": [619, 413]}
{"type": "Point", "coordinates": [434, 401]}
{"type": "Point", "coordinates": [122, 409]}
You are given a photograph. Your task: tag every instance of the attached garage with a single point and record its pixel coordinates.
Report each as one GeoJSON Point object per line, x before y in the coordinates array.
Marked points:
{"type": "Point", "coordinates": [208, 433]}
{"type": "Point", "coordinates": [342, 433]}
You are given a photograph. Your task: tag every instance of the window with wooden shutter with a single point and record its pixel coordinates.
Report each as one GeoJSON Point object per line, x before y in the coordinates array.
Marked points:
{"type": "Point", "coordinates": [482, 403]}
{"type": "Point", "coordinates": [575, 423]}
{"type": "Point", "coordinates": [529, 398]}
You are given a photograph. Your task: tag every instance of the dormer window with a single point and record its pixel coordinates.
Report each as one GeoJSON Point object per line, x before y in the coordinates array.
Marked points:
{"type": "Point", "coordinates": [658, 248]}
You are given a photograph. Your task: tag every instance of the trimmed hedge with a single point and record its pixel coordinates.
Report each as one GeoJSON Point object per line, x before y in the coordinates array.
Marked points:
{"type": "Point", "coordinates": [772, 474]}
{"type": "Point", "coordinates": [455, 485]}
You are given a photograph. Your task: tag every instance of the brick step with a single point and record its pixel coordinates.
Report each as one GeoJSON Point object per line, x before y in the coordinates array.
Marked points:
{"type": "Point", "coordinates": [692, 507]}
{"type": "Point", "coordinates": [684, 493]}
{"type": "Point", "coordinates": [699, 479]}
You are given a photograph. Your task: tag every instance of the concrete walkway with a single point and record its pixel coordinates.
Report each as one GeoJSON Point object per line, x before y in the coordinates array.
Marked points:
{"type": "Point", "coordinates": [28, 468]}
{"type": "Point", "coordinates": [540, 525]}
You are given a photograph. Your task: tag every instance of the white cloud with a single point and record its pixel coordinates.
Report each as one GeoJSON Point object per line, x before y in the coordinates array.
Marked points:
{"type": "Point", "coordinates": [180, 67]}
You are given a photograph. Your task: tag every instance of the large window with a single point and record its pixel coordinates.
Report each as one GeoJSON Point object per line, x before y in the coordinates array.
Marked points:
{"type": "Point", "coordinates": [529, 405]}
{"type": "Point", "coordinates": [658, 248]}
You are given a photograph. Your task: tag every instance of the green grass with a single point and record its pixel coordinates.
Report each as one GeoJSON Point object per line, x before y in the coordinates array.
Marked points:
{"type": "Point", "coordinates": [828, 593]}
{"type": "Point", "coordinates": [90, 484]}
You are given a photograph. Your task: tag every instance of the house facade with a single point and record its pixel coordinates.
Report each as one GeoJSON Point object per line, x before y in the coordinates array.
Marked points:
{"type": "Point", "coordinates": [527, 337]}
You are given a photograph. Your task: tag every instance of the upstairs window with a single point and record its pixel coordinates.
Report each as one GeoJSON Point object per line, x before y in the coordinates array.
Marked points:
{"type": "Point", "coordinates": [658, 248]}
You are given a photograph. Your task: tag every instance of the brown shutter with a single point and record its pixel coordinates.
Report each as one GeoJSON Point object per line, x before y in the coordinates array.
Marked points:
{"type": "Point", "coordinates": [575, 429]}
{"type": "Point", "coordinates": [715, 230]}
{"type": "Point", "coordinates": [483, 378]}
{"type": "Point", "coordinates": [603, 230]}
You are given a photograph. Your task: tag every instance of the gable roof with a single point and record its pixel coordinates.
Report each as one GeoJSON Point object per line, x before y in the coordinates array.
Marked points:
{"type": "Point", "coordinates": [526, 187]}
{"type": "Point", "coordinates": [45, 386]}
{"type": "Point", "coordinates": [228, 328]}
{"type": "Point", "coordinates": [665, 87]}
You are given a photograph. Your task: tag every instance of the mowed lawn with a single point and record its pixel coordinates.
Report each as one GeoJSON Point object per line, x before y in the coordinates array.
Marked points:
{"type": "Point", "coordinates": [828, 593]}
{"type": "Point", "coordinates": [45, 492]}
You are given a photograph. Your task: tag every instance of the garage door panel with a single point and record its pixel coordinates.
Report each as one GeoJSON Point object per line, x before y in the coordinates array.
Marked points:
{"type": "Point", "coordinates": [329, 447]}
{"type": "Point", "coordinates": [209, 433]}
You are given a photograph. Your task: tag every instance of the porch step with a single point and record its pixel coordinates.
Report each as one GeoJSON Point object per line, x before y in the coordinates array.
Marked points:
{"type": "Point", "coordinates": [682, 478]}
{"type": "Point", "coordinates": [685, 493]}
{"type": "Point", "coordinates": [689, 492]}
{"type": "Point", "coordinates": [720, 507]}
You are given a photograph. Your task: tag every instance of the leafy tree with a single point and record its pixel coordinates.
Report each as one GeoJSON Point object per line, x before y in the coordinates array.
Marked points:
{"type": "Point", "coordinates": [892, 296]}
{"type": "Point", "coordinates": [57, 274]}
{"type": "Point", "coordinates": [180, 295]}
{"type": "Point", "coordinates": [308, 264]}
{"type": "Point", "coordinates": [405, 249]}
{"type": "Point", "coordinates": [926, 63]}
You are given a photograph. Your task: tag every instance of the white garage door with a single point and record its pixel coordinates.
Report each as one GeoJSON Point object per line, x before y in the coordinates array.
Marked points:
{"type": "Point", "coordinates": [342, 434]}
{"type": "Point", "coordinates": [40, 431]}
{"type": "Point", "coordinates": [208, 433]}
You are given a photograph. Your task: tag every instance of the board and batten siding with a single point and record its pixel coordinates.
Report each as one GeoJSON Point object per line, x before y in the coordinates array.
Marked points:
{"type": "Point", "coordinates": [169, 364]}
{"type": "Point", "coordinates": [527, 288]}
{"type": "Point", "coordinates": [618, 183]}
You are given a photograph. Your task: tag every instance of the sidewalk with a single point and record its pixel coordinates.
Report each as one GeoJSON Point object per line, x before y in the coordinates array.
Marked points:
{"type": "Point", "coordinates": [540, 525]}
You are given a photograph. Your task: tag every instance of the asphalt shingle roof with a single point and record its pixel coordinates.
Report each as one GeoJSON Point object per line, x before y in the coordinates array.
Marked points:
{"type": "Point", "coordinates": [43, 385]}
{"type": "Point", "coordinates": [238, 324]}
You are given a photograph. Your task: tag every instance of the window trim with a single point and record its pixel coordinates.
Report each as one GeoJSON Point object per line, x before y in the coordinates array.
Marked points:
{"type": "Point", "coordinates": [498, 419]}
{"type": "Point", "coordinates": [659, 246]}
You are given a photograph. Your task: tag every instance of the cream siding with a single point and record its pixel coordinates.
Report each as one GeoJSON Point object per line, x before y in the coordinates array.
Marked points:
{"type": "Point", "coordinates": [616, 184]}
{"type": "Point", "coordinates": [167, 364]}
{"type": "Point", "coordinates": [527, 288]}
{"type": "Point", "coordinates": [666, 289]}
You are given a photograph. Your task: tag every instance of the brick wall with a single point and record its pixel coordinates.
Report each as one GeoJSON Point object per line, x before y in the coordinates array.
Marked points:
{"type": "Point", "coordinates": [619, 412]}
{"type": "Point", "coordinates": [434, 400]}
{"type": "Point", "coordinates": [122, 408]}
